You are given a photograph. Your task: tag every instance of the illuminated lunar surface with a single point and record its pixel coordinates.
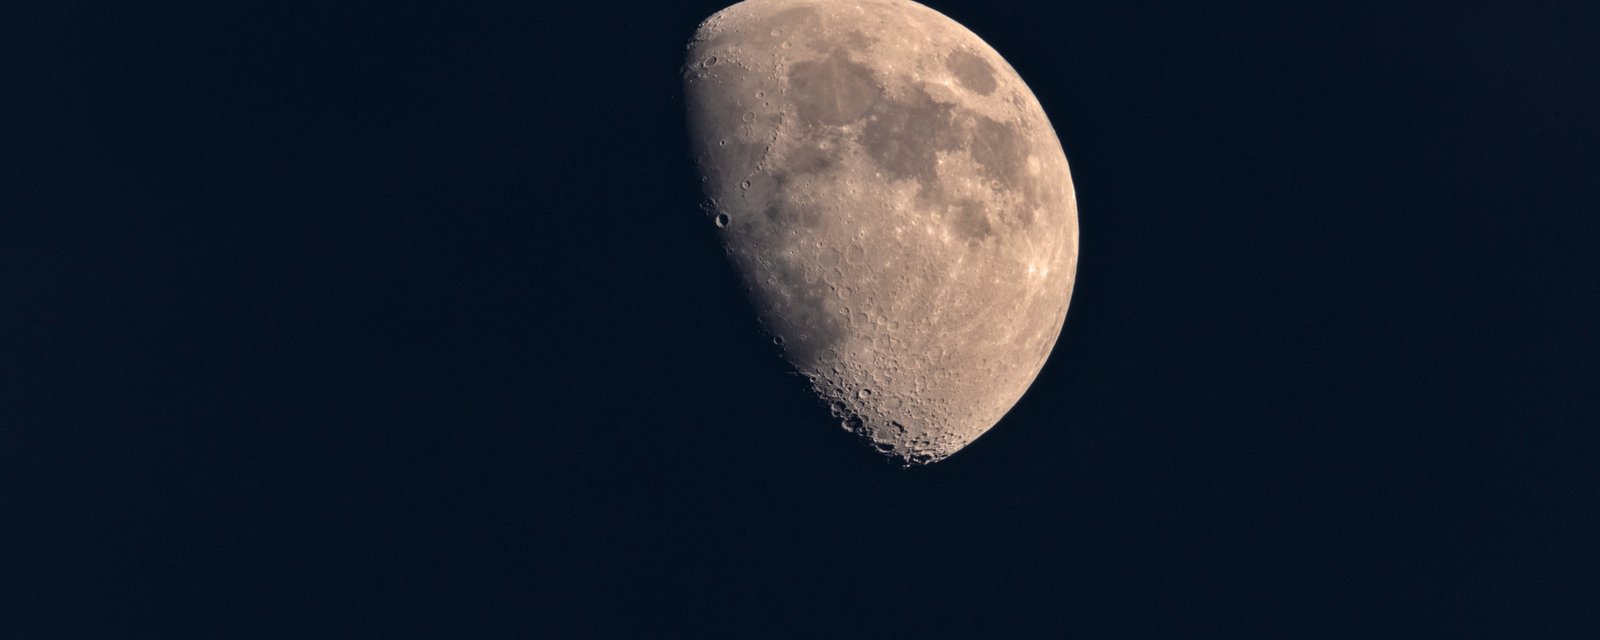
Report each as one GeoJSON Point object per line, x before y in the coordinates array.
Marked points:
{"type": "Point", "coordinates": [897, 204]}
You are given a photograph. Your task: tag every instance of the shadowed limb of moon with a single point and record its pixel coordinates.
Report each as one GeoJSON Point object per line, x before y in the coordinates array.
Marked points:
{"type": "Point", "coordinates": [897, 203]}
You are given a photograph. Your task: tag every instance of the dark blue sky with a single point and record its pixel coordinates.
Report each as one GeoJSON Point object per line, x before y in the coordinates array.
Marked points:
{"type": "Point", "coordinates": [402, 321]}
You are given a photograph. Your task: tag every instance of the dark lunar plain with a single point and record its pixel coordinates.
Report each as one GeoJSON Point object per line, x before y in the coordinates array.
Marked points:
{"type": "Point", "coordinates": [402, 321]}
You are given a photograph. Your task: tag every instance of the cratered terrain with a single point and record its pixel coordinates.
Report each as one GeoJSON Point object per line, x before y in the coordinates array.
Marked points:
{"type": "Point", "coordinates": [897, 204]}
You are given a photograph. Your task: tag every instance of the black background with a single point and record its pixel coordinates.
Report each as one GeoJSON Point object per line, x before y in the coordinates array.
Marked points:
{"type": "Point", "coordinates": [402, 321]}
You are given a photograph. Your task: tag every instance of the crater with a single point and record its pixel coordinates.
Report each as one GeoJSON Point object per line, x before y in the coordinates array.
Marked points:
{"type": "Point", "coordinates": [971, 72]}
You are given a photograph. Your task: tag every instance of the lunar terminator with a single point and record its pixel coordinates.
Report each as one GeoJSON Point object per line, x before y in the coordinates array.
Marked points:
{"type": "Point", "coordinates": [897, 203]}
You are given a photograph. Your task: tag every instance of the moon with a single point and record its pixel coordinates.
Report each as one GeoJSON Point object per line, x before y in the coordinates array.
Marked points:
{"type": "Point", "coordinates": [897, 205]}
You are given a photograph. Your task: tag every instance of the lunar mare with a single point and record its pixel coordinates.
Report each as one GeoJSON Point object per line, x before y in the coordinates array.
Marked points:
{"type": "Point", "coordinates": [897, 204]}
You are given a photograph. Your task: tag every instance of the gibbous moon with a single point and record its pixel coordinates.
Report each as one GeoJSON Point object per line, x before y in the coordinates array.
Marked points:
{"type": "Point", "coordinates": [897, 204]}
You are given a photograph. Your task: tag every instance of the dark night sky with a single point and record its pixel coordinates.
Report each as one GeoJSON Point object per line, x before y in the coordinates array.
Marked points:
{"type": "Point", "coordinates": [402, 321]}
